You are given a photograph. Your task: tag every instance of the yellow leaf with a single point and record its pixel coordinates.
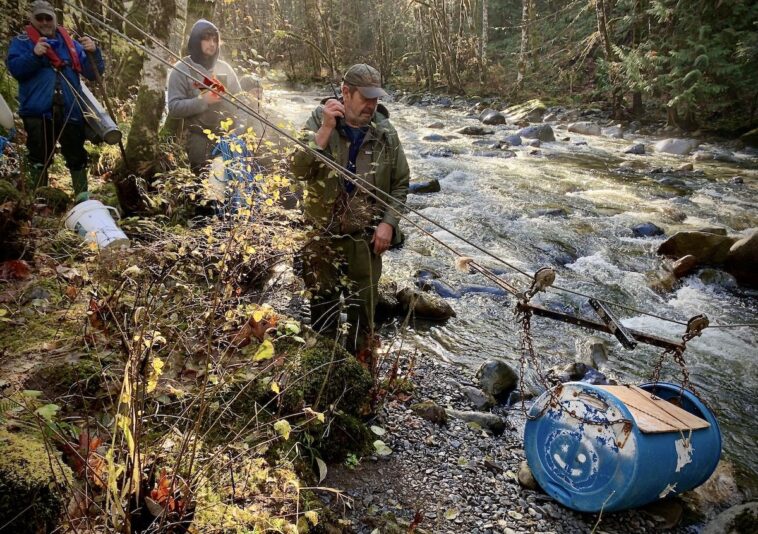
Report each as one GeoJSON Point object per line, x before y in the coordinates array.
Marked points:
{"type": "Point", "coordinates": [312, 516]}
{"type": "Point", "coordinates": [258, 315]}
{"type": "Point", "coordinates": [265, 351]}
{"type": "Point", "coordinates": [275, 387]}
{"type": "Point", "coordinates": [282, 426]}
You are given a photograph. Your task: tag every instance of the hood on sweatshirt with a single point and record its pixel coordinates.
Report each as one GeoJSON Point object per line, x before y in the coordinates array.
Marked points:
{"type": "Point", "coordinates": [194, 48]}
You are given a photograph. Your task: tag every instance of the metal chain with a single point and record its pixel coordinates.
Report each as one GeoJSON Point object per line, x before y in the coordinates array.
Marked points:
{"type": "Point", "coordinates": [524, 315]}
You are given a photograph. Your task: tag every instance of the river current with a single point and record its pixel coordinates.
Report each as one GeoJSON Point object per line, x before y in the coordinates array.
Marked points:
{"type": "Point", "coordinates": [567, 205]}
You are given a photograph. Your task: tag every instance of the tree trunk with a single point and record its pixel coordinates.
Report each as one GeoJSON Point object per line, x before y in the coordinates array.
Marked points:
{"type": "Point", "coordinates": [526, 11]}
{"type": "Point", "coordinates": [166, 23]}
{"type": "Point", "coordinates": [483, 45]}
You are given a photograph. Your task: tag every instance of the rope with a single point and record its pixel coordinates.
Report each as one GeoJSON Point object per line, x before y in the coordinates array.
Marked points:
{"type": "Point", "coordinates": [362, 184]}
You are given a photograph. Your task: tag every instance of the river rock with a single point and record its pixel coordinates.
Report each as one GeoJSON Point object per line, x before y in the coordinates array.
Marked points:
{"type": "Point", "coordinates": [737, 180]}
{"type": "Point", "coordinates": [492, 117]}
{"type": "Point", "coordinates": [684, 266]}
{"type": "Point", "coordinates": [438, 138]}
{"type": "Point", "coordinates": [430, 411]}
{"type": "Point", "coordinates": [495, 153]}
{"type": "Point", "coordinates": [436, 125]}
{"type": "Point", "coordinates": [474, 130]}
{"type": "Point", "coordinates": [742, 261]}
{"type": "Point", "coordinates": [480, 400]}
{"type": "Point", "coordinates": [647, 229]}
{"type": "Point", "coordinates": [666, 513]}
{"type": "Point", "coordinates": [741, 519]}
{"type": "Point", "coordinates": [526, 478]}
{"type": "Point", "coordinates": [488, 421]}
{"type": "Point", "coordinates": [592, 352]}
{"type": "Point", "coordinates": [584, 128]}
{"type": "Point", "coordinates": [444, 102]}
{"type": "Point", "coordinates": [425, 305]}
{"type": "Point", "coordinates": [707, 248]}
{"type": "Point", "coordinates": [512, 140]}
{"type": "Point", "coordinates": [616, 132]}
{"type": "Point", "coordinates": [719, 491]}
{"type": "Point", "coordinates": [680, 147]}
{"type": "Point", "coordinates": [543, 132]}
{"type": "Point", "coordinates": [438, 152]}
{"type": "Point", "coordinates": [530, 111]}
{"type": "Point", "coordinates": [388, 302]}
{"type": "Point", "coordinates": [428, 186]}
{"type": "Point", "coordinates": [718, 230]}
{"type": "Point", "coordinates": [497, 378]}
{"type": "Point", "coordinates": [534, 143]}
{"type": "Point", "coordinates": [687, 167]}
{"type": "Point", "coordinates": [637, 149]}
{"type": "Point", "coordinates": [550, 117]}
{"type": "Point", "coordinates": [750, 138]}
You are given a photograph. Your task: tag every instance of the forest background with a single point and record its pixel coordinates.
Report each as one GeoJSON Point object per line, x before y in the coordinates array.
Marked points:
{"type": "Point", "coordinates": [693, 63]}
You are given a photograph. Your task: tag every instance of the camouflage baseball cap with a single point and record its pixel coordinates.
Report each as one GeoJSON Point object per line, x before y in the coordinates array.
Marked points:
{"type": "Point", "coordinates": [366, 78]}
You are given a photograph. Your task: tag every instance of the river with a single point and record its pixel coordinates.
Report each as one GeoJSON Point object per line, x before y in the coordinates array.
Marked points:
{"type": "Point", "coordinates": [504, 205]}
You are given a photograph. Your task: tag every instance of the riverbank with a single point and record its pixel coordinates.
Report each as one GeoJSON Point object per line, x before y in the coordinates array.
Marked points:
{"type": "Point", "coordinates": [456, 477]}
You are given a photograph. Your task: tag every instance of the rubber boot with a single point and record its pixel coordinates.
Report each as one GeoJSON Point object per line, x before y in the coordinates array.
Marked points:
{"type": "Point", "coordinates": [37, 177]}
{"type": "Point", "coordinates": [81, 189]}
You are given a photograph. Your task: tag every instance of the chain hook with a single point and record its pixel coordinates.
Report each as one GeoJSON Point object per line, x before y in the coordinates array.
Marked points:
{"type": "Point", "coordinates": [542, 279]}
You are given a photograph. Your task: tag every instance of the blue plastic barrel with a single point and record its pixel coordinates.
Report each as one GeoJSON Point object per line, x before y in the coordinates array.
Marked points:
{"type": "Point", "coordinates": [586, 449]}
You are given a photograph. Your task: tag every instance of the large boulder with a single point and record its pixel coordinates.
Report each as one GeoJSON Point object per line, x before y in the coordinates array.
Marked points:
{"type": "Point", "coordinates": [475, 130]}
{"type": "Point", "coordinates": [530, 111]}
{"type": "Point", "coordinates": [584, 128]}
{"type": "Point", "coordinates": [497, 378]}
{"type": "Point", "coordinates": [592, 352]}
{"type": "Point", "coordinates": [679, 147]}
{"type": "Point", "coordinates": [707, 248]}
{"type": "Point", "coordinates": [425, 305]}
{"type": "Point", "coordinates": [491, 117]}
{"type": "Point", "coordinates": [684, 266]}
{"type": "Point", "coordinates": [742, 260]}
{"type": "Point", "coordinates": [543, 132]}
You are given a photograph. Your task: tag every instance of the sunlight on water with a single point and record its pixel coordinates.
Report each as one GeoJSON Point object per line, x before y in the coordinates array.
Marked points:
{"type": "Point", "coordinates": [567, 206]}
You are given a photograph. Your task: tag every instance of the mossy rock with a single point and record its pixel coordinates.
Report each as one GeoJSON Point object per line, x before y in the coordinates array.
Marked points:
{"type": "Point", "coordinates": [56, 199]}
{"type": "Point", "coordinates": [8, 192]}
{"type": "Point", "coordinates": [345, 434]}
{"type": "Point", "coordinates": [30, 483]}
{"type": "Point", "coordinates": [321, 374]}
{"type": "Point", "coordinates": [75, 381]}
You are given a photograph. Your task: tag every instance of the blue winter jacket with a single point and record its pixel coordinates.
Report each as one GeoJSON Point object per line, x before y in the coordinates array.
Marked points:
{"type": "Point", "coordinates": [36, 77]}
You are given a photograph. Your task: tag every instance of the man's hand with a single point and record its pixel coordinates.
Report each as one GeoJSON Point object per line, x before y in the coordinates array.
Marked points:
{"type": "Point", "coordinates": [40, 49]}
{"type": "Point", "coordinates": [333, 109]}
{"type": "Point", "coordinates": [382, 237]}
{"type": "Point", "coordinates": [88, 44]}
{"type": "Point", "coordinates": [210, 97]}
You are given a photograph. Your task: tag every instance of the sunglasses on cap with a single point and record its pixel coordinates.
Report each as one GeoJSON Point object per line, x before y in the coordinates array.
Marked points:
{"type": "Point", "coordinates": [42, 17]}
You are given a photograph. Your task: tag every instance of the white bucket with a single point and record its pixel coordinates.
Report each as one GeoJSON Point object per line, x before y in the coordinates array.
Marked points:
{"type": "Point", "coordinates": [6, 115]}
{"type": "Point", "coordinates": [91, 220]}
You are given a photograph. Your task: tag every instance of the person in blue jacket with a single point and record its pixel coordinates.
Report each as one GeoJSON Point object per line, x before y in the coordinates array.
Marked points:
{"type": "Point", "coordinates": [47, 63]}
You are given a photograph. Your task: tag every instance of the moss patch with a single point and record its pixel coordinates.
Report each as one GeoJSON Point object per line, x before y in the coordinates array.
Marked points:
{"type": "Point", "coordinates": [30, 483]}
{"type": "Point", "coordinates": [323, 374]}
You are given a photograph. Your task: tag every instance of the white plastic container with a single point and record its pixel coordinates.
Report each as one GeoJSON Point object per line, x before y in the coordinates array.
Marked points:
{"type": "Point", "coordinates": [6, 115]}
{"type": "Point", "coordinates": [91, 220]}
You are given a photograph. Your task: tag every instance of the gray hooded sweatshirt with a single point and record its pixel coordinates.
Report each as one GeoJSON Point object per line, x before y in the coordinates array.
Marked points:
{"type": "Point", "coordinates": [184, 101]}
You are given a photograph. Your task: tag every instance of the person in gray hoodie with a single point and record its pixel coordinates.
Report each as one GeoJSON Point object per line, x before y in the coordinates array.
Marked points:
{"type": "Point", "coordinates": [198, 107]}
